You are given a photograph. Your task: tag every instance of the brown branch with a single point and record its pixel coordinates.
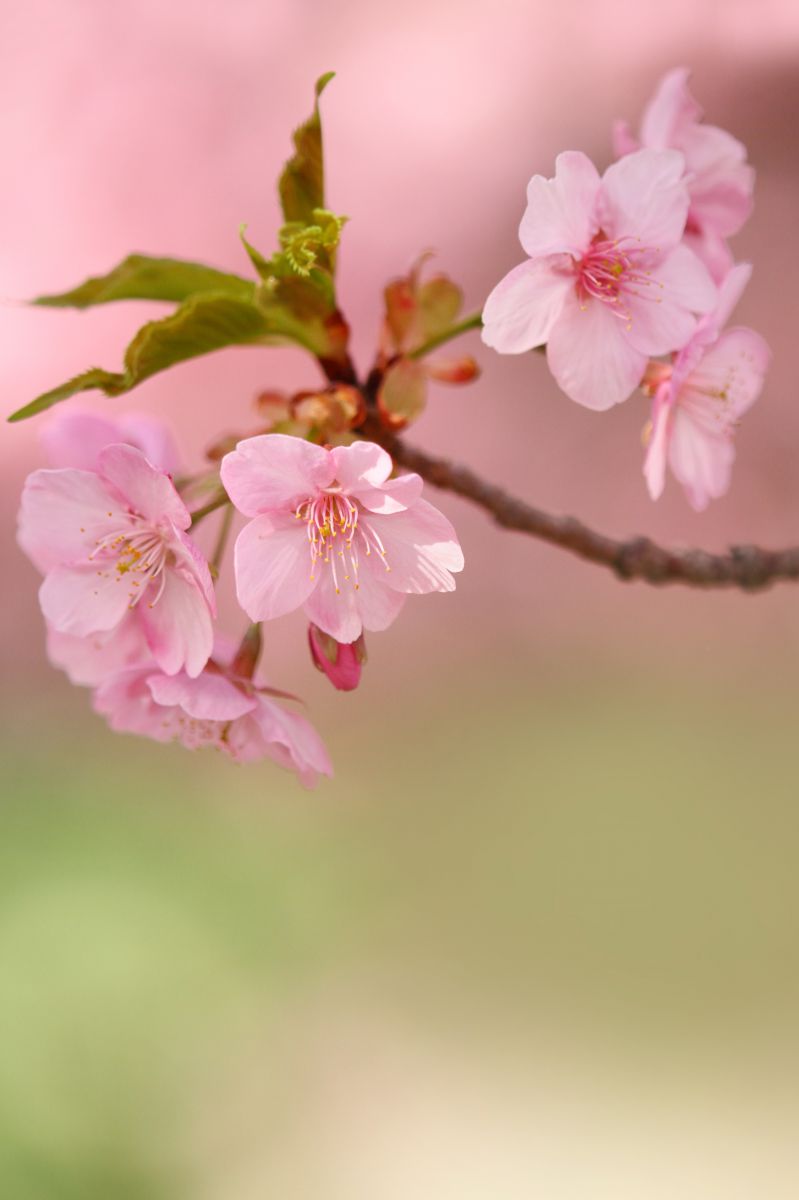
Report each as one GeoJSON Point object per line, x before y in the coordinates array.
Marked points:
{"type": "Point", "coordinates": [747, 567]}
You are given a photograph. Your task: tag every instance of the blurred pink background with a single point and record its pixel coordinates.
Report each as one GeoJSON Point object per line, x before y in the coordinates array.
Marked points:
{"type": "Point", "coordinates": [138, 126]}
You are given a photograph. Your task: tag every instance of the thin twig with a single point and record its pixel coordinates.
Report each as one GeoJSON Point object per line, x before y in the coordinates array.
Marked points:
{"type": "Point", "coordinates": [748, 567]}
{"type": "Point", "coordinates": [473, 322]}
{"type": "Point", "coordinates": [215, 561]}
{"type": "Point", "coordinates": [216, 502]}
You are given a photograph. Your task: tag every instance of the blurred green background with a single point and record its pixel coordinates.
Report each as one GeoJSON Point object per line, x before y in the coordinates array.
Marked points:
{"type": "Point", "coordinates": [200, 965]}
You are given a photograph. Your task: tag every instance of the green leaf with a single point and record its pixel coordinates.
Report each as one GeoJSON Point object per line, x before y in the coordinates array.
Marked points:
{"type": "Point", "coordinates": [140, 277]}
{"type": "Point", "coordinates": [292, 312]}
{"type": "Point", "coordinates": [302, 182]}
{"type": "Point", "coordinates": [208, 322]}
{"type": "Point", "coordinates": [96, 377]}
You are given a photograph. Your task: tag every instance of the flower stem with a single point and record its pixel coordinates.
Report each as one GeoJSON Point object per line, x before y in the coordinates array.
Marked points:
{"type": "Point", "coordinates": [218, 500]}
{"type": "Point", "coordinates": [473, 322]}
{"type": "Point", "coordinates": [215, 560]}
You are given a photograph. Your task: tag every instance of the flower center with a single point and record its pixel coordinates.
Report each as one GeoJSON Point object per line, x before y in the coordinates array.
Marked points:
{"type": "Point", "coordinates": [337, 536]}
{"type": "Point", "coordinates": [137, 554]}
{"type": "Point", "coordinates": [609, 270]}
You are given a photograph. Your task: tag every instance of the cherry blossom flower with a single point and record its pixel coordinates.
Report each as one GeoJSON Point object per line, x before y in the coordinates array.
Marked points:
{"type": "Point", "coordinates": [699, 399]}
{"type": "Point", "coordinates": [333, 533]}
{"type": "Point", "coordinates": [720, 181]}
{"type": "Point", "coordinates": [76, 438]}
{"type": "Point", "coordinates": [215, 709]}
{"type": "Point", "coordinates": [608, 283]}
{"type": "Point", "coordinates": [112, 547]}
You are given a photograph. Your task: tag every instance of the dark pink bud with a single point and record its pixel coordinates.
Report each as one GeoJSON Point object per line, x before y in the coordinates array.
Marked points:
{"type": "Point", "coordinates": [340, 661]}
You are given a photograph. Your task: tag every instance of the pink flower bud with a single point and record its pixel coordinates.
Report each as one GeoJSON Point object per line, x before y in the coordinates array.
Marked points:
{"type": "Point", "coordinates": [340, 661]}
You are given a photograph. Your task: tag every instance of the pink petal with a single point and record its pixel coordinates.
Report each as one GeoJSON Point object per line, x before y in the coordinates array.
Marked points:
{"type": "Point", "coordinates": [393, 496]}
{"type": "Point", "coordinates": [363, 464]}
{"type": "Point", "coordinates": [273, 566]}
{"type": "Point", "coordinates": [73, 438]}
{"type": "Point", "coordinates": [82, 600]}
{"type": "Point", "coordinates": [76, 438]}
{"type": "Point", "coordinates": [127, 704]}
{"type": "Point", "coordinates": [521, 310]}
{"type": "Point", "coordinates": [275, 472]}
{"type": "Point", "coordinates": [209, 697]}
{"type": "Point", "coordinates": [286, 737]}
{"type": "Point", "coordinates": [671, 112]}
{"type": "Point", "coordinates": [624, 141]}
{"type": "Point", "coordinates": [191, 561]}
{"type": "Point", "coordinates": [701, 461]}
{"type": "Point", "coordinates": [153, 437]}
{"type": "Point", "coordinates": [363, 470]}
{"type": "Point", "coordinates": [712, 250]}
{"type": "Point", "coordinates": [591, 358]}
{"type": "Point", "coordinates": [686, 282]}
{"type": "Point", "coordinates": [561, 212]}
{"type": "Point", "coordinates": [731, 289]}
{"type": "Point", "coordinates": [644, 197]}
{"type": "Point", "coordinates": [178, 625]}
{"type": "Point", "coordinates": [63, 514]}
{"type": "Point", "coordinates": [655, 460]}
{"type": "Point", "coordinates": [421, 547]}
{"type": "Point", "coordinates": [661, 317]}
{"type": "Point", "coordinates": [729, 377]}
{"type": "Point", "coordinates": [93, 659]}
{"type": "Point", "coordinates": [149, 492]}
{"type": "Point", "coordinates": [707, 331]}
{"type": "Point", "coordinates": [720, 181]}
{"type": "Point", "coordinates": [345, 613]}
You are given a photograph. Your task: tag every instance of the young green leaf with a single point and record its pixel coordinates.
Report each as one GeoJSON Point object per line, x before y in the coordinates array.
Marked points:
{"type": "Point", "coordinates": [95, 377]}
{"type": "Point", "coordinates": [264, 266]}
{"type": "Point", "coordinates": [208, 322]}
{"type": "Point", "coordinates": [140, 277]}
{"type": "Point", "coordinates": [302, 182]}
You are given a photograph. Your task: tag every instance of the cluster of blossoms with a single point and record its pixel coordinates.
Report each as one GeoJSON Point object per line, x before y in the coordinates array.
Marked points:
{"type": "Point", "coordinates": [629, 282]}
{"type": "Point", "coordinates": [128, 596]}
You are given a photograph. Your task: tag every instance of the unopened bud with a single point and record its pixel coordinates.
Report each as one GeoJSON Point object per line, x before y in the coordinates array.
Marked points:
{"type": "Point", "coordinates": [347, 406]}
{"type": "Point", "coordinates": [453, 370]}
{"type": "Point", "coordinates": [273, 407]}
{"type": "Point", "coordinates": [340, 661]}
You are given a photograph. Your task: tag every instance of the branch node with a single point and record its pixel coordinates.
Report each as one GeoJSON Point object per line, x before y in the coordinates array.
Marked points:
{"type": "Point", "coordinates": [753, 567]}
{"type": "Point", "coordinates": [642, 558]}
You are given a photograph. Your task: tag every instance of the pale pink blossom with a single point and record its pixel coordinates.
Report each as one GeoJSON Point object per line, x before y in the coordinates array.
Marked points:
{"type": "Point", "coordinates": [334, 534]}
{"type": "Point", "coordinates": [719, 179]}
{"type": "Point", "coordinates": [76, 438]}
{"type": "Point", "coordinates": [90, 660]}
{"type": "Point", "coordinates": [218, 709]}
{"type": "Point", "coordinates": [112, 547]}
{"type": "Point", "coordinates": [608, 283]}
{"type": "Point", "coordinates": [700, 398]}
{"type": "Point", "coordinates": [340, 662]}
